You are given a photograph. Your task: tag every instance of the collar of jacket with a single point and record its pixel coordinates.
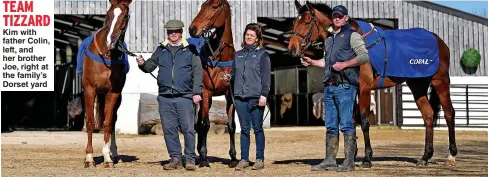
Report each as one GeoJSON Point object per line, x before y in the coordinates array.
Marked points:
{"type": "Point", "coordinates": [185, 43]}
{"type": "Point", "coordinates": [250, 47]}
{"type": "Point", "coordinates": [343, 28]}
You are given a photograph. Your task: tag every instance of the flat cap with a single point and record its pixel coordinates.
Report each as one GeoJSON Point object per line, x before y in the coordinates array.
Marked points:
{"type": "Point", "coordinates": [174, 25]}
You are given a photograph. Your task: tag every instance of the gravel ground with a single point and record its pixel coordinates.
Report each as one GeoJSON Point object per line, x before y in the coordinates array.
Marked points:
{"type": "Point", "coordinates": [289, 152]}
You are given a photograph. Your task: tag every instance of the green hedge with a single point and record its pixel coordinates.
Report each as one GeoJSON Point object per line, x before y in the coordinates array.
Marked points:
{"type": "Point", "coordinates": [471, 58]}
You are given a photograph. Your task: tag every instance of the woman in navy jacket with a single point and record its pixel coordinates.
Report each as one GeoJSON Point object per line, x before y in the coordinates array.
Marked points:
{"type": "Point", "coordinates": [250, 79]}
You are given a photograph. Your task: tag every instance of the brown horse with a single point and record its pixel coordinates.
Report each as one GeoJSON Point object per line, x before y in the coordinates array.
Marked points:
{"type": "Point", "coordinates": [106, 79]}
{"type": "Point", "coordinates": [213, 22]}
{"type": "Point", "coordinates": [311, 26]}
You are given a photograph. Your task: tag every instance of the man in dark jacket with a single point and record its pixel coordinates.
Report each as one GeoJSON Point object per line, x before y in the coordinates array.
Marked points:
{"type": "Point", "coordinates": [344, 52]}
{"type": "Point", "coordinates": [180, 81]}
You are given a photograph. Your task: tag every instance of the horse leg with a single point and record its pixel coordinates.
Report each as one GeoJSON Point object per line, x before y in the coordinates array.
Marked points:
{"type": "Point", "coordinates": [364, 103]}
{"type": "Point", "coordinates": [356, 117]}
{"type": "Point", "coordinates": [110, 101]}
{"type": "Point", "coordinates": [419, 90]}
{"type": "Point", "coordinates": [89, 94]}
{"type": "Point", "coordinates": [442, 89]}
{"type": "Point", "coordinates": [113, 145]}
{"type": "Point", "coordinates": [231, 125]}
{"type": "Point", "coordinates": [203, 127]}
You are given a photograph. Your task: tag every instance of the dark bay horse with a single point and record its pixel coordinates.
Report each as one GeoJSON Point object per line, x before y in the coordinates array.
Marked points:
{"type": "Point", "coordinates": [103, 77]}
{"type": "Point", "coordinates": [311, 26]}
{"type": "Point", "coordinates": [213, 23]}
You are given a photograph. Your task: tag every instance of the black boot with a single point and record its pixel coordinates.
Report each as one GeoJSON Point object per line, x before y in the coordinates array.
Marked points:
{"type": "Point", "coordinates": [349, 151]}
{"type": "Point", "coordinates": [331, 148]}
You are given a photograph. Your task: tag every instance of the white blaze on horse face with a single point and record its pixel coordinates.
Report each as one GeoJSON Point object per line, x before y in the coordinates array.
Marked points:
{"type": "Point", "coordinates": [117, 12]}
{"type": "Point", "coordinates": [106, 152]}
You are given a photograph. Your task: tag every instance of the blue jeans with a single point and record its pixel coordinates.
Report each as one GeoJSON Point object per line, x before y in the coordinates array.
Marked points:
{"type": "Point", "coordinates": [339, 103]}
{"type": "Point", "coordinates": [249, 113]}
{"type": "Point", "coordinates": [178, 112]}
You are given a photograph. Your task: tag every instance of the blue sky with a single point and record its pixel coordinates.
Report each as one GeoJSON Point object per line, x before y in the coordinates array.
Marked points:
{"type": "Point", "coordinates": [473, 7]}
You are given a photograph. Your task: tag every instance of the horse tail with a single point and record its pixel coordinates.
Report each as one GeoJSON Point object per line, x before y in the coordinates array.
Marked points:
{"type": "Point", "coordinates": [435, 103]}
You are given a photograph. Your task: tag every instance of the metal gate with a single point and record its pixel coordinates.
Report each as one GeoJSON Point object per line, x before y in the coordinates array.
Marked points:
{"type": "Point", "coordinates": [470, 103]}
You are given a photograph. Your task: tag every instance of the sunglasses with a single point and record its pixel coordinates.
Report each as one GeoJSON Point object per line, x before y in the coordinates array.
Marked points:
{"type": "Point", "coordinates": [337, 16]}
{"type": "Point", "coordinates": [174, 31]}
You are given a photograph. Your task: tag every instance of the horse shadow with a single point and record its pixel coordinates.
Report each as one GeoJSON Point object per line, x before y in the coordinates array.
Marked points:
{"type": "Point", "coordinates": [125, 158]}
{"type": "Point", "coordinates": [211, 159]}
{"type": "Point", "coordinates": [341, 160]}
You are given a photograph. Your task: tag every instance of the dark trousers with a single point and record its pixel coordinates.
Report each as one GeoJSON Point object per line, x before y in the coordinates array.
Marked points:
{"type": "Point", "coordinates": [250, 113]}
{"type": "Point", "coordinates": [175, 112]}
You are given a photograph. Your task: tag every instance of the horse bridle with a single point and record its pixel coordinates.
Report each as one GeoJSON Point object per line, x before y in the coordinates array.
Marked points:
{"type": "Point", "coordinates": [207, 34]}
{"type": "Point", "coordinates": [306, 39]}
{"type": "Point", "coordinates": [206, 30]}
{"type": "Point", "coordinates": [119, 42]}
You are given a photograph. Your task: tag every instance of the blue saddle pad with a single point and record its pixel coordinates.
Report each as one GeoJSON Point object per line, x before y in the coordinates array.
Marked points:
{"type": "Point", "coordinates": [83, 50]}
{"type": "Point", "coordinates": [411, 52]}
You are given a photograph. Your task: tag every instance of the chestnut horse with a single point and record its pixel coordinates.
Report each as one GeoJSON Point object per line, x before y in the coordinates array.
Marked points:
{"type": "Point", "coordinates": [213, 23]}
{"type": "Point", "coordinates": [312, 25]}
{"type": "Point", "coordinates": [104, 75]}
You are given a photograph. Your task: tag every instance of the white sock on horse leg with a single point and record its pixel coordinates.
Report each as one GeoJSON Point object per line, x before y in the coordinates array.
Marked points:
{"type": "Point", "coordinates": [106, 152]}
{"type": "Point", "coordinates": [89, 158]}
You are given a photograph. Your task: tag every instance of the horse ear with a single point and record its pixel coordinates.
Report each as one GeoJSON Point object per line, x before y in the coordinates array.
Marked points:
{"type": "Point", "coordinates": [126, 2]}
{"type": "Point", "coordinates": [114, 2]}
{"type": "Point", "coordinates": [310, 9]}
{"type": "Point", "coordinates": [298, 5]}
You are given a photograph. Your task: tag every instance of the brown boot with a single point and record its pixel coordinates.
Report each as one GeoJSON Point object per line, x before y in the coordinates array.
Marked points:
{"type": "Point", "coordinates": [242, 164]}
{"type": "Point", "coordinates": [174, 163]}
{"type": "Point", "coordinates": [190, 165]}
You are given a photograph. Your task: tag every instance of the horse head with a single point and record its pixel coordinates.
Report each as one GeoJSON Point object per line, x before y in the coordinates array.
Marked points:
{"type": "Point", "coordinates": [212, 15]}
{"type": "Point", "coordinates": [116, 23]}
{"type": "Point", "coordinates": [309, 26]}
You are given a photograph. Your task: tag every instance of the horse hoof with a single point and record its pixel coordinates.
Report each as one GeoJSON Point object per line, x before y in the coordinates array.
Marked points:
{"type": "Point", "coordinates": [421, 163]}
{"type": "Point", "coordinates": [109, 165]}
{"type": "Point", "coordinates": [233, 163]}
{"type": "Point", "coordinates": [365, 164]}
{"type": "Point", "coordinates": [117, 159]}
{"type": "Point", "coordinates": [450, 163]}
{"type": "Point", "coordinates": [89, 164]}
{"type": "Point", "coordinates": [204, 164]}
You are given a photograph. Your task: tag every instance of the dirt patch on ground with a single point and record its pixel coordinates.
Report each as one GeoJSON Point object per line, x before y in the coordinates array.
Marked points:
{"type": "Point", "coordinates": [289, 152]}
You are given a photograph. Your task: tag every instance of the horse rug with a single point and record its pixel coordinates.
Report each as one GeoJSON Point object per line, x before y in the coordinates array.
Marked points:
{"type": "Point", "coordinates": [83, 50]}
{"type": "Point", "coordinates": [409, 53]}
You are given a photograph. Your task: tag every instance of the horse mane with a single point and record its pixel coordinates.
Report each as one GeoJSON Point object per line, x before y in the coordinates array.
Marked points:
{"type": "Point", "coordinates": [322, 7]}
